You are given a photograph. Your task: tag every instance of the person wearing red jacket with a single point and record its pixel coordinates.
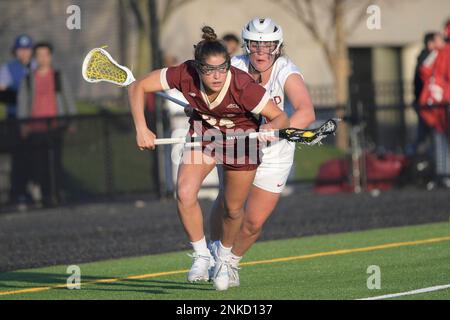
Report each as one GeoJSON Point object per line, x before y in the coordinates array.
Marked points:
{"type": "Point", "coordinates": [434, 101]}
{"type": "Point", "coordinates": [432, 41]}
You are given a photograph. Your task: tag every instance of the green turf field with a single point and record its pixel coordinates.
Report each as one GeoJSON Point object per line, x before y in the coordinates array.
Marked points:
{"type": "Point", "coordinates": [308, 159]}
{"type": "Point", "coordinates": [319, 267]}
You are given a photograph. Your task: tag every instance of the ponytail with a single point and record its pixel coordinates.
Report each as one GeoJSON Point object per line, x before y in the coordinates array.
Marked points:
{"type": "Point", "coordinates": [210, 46]}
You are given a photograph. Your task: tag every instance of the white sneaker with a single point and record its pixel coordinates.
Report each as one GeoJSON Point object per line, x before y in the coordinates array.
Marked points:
{"type": "Point", "coordinates": [200, 265]}
{"type": "Point", "coordinates": [221, 273]}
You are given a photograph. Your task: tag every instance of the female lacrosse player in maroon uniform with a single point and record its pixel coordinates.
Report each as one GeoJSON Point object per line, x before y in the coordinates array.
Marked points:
{"type": "Point", "coordinates": [223, 98]}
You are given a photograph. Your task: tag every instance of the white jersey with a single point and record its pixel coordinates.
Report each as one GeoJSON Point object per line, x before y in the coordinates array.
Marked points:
{"type": "Point", "coordinates": [282, 69]}
{"type": "Point", "coordinates": [278, 158]}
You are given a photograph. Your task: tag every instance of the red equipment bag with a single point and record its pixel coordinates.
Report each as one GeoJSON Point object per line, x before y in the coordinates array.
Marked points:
{"type": "Point", "coordinates": [382, 172]}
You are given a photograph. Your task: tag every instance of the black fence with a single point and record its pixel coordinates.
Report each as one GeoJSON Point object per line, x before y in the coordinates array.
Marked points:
{"type": "Point", "coordinates": [89, 157]}
{"type": "Point", "coordinates": [75, 158]}
{"type": "Point", "coordinates": [386, 126]}
{"type": "Point", "coordinates": [389, 121]}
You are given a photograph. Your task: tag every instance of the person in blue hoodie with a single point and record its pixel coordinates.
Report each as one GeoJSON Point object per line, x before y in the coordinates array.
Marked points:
{"type": "Point", "coordinates": [13, 72]}
{"type": "Point", "coordinates": [11, 75]}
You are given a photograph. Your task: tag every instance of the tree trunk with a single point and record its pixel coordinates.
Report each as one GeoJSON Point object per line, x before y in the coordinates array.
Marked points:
{"type": "Point", "coordinates": [123, 42]}
{"type": "Point", "coordinates": [144, 53]}
{"type": "Point", "coordinates": [341, 71]}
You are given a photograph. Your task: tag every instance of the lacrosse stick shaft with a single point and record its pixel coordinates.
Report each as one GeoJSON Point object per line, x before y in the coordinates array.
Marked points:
{"type": "Point", "coordinates": [174, 100]}
{"type": "Point", "coordinates": [171, 141]}
{"type": "Point", "coordinates": [188, 139]}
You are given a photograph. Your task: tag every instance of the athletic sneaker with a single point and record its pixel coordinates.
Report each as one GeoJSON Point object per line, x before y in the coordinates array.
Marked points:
{"type": "Point", "coordinates": [233, 273]}
{"type": "Point", "coordinates": [221, 273]}
{"type": "Point", "coordinates": [200, 265]}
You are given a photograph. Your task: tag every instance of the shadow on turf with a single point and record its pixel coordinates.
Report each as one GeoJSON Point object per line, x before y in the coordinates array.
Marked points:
{"type": "Point", "coordinates": [23, 280]}
{"type": "Point", "coordinates": [141, 286]}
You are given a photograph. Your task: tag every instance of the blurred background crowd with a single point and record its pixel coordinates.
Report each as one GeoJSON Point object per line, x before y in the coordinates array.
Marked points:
{"type": "Point", "coordinates": [64, 141]}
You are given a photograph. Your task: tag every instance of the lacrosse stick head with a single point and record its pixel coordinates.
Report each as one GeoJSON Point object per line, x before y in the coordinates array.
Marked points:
{"type": "Point", "coordinates": [309, 137]}
{"type": "Point", "coordinates": [100, 66]}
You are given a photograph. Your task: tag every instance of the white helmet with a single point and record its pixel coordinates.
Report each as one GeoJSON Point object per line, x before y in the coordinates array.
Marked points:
{"type": "Point", "coordinates": [262, 29]}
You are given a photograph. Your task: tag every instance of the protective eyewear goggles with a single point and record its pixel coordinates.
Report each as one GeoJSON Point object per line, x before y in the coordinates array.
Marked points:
{"type": "Point", "coordinates": [262, 46]}
{"type": "Point", "coordinates": [208, 69]}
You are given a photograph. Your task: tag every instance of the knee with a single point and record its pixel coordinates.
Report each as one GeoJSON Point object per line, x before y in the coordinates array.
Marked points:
{"type": "Point", "coordinates": [235, 212]}
{"type": "Point", "coordinates": [186, 194]}
{"type": "Point", "coordinates": [252, 227]}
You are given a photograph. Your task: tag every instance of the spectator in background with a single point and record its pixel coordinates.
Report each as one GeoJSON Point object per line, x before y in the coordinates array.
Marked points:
{"type": "Point", "coordinates": [434, 101]}
{"type": "Point", "coordinates": [11, 76]}
{"type": "Point", "coordinates": [432, 41]}
{"type": "Point", "coordinates": [12, 73]}
{"type": "Point", "coordinates": [45, 94]}
{"type": "Point", "coordinates": [232, 43]}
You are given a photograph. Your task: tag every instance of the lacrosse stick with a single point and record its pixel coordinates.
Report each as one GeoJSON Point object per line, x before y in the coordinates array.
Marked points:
{"type": "Point", "coordinates": [301, 136]}
{"type": "Point", "coordinates": [98, 66]}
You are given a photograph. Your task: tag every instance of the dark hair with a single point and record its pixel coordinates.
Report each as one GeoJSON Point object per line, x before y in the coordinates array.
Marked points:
{"type": "Point", "coordinates": [210, 46]}
{"type": "Point", "coordinates": [429, 36]}
{"type": "Point", "coordinates": [39, 45]}
{"type": "Point", "coordinates": [230, 37]}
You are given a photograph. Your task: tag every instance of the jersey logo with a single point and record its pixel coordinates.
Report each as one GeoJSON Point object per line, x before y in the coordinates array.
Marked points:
{"type": "Point", "coordinates": [232, 106]}
{"type": "Point", "coordinates": [277, 99]}
{"type": "Point", "coordinates": [280, 185]}
{"type": "Point", "coordinates": [192, 94]}
{"type": "Point", "coordinates": [228, 123]}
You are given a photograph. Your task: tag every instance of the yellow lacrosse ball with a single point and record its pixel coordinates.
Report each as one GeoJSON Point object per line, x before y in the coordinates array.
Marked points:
{"type": "Point", "coordinates": [308, 134]}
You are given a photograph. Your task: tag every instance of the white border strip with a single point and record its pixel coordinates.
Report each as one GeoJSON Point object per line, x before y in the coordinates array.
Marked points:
{"type": "Point", "coordinates": [163, 79]}
{"type": "Point", "coordinates": [262, 103]}
{"type": "Point", "coordinates": [408, 293]}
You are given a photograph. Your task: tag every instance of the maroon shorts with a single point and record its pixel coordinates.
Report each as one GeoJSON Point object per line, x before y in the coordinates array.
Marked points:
{"type": "Point", "coordinates": [236, 155]}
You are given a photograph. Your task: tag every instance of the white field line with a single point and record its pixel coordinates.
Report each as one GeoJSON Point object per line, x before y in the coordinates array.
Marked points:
{"type": "Point", "coordinates": [408, 293]}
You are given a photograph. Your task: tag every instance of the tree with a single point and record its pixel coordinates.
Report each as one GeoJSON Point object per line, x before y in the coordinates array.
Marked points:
{"type": "Point", "coordinates": [168, 7]}
{"type": "Point", "coordinates": [140, 11]}
{"type": "Point", "coordinates": [142, 15]}
{"type": "Point", "coordinates": [149, 24]}
{"type": "Point", "coordinates": [334, 43]}
{"type": "Point", "coordinates": [15, 11]}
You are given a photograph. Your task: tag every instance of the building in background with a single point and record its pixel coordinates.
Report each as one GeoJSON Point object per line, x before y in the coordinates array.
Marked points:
{"type": "Point", "coordinates": [390, 52]}
{"type": "Point", "coordinates": [381, 61]}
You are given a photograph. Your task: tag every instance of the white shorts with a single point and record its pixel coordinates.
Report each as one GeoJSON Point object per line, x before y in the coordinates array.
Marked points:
{"type": "Point", "coordinates": [276, 164]}
{"type": "Point", "coordinates": [273, 172]}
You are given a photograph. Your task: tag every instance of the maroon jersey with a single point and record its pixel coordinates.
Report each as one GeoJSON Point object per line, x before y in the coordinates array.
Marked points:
{"type": "Point", "coordinates": [234, 108]}
{"type": "Point", "coordinates": [239, 101]}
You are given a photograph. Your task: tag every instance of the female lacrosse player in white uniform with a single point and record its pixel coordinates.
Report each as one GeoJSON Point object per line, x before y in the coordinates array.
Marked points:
{"type": "Point", "coordinates": [264, 60]}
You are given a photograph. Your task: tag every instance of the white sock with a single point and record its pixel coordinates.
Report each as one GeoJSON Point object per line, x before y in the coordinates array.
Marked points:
{"type": "Point", "coordinates": [200, 246]}
{"type": "Point", "coordinates": [235, 259]}
{"type": "Point", "coordinates": [223, 251]}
